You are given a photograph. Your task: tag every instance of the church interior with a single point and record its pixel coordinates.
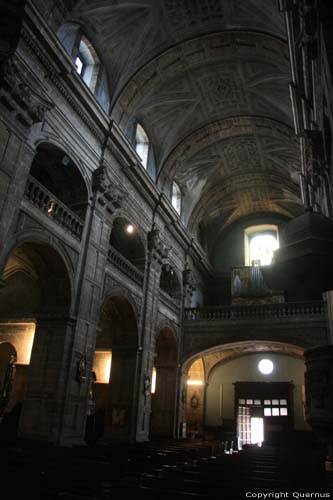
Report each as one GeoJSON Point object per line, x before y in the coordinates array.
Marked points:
{"type": "Point", "coordinates": [166, 243]}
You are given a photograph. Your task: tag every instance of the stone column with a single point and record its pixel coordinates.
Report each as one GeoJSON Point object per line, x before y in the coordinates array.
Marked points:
{"type": "Point", "coordinates": [104, 204]}
{"type": "Point", "coordinates": [157, 252]}
{"type": "Point", "coordinates": [43, 405]}
{"type": "Point", "coordinates": [188, 289]}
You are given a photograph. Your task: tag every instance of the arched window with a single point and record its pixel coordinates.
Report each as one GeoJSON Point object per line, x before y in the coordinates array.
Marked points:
{"type": "Point", "coordinates": [260, 243]}
{"type": "Point", "coordinates": [142, 144]}
{"type": "Point", "coordinates": [87, 62]}
{"type": "Point", "coordinates": [176, 197]}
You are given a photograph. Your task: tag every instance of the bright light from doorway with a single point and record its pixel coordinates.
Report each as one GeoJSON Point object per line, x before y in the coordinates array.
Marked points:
{"type": "Point", "coordinates": [265, 366]}
{"type": "Point", "coordinates": [257, 430]}
{"type": "Point", "coordinates": [130, 228]}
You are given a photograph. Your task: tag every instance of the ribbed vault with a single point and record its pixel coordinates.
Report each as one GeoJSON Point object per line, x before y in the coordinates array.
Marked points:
{"type": "Point", "coordinates": [208, 80]}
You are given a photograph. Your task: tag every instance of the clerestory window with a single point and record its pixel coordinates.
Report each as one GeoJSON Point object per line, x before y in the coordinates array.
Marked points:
{"type": "Point", "coordinates": [142, 144]}
{"type": "Point", "coordinates": [87, 63]}
{"type": "Point", "coordinates": [176, 197]}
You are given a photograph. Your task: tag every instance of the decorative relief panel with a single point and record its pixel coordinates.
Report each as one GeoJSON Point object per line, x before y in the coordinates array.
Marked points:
{"type": "Point", "coordinates": [188, 13]}
{"type": "Point", "coordinates": [223, 89]}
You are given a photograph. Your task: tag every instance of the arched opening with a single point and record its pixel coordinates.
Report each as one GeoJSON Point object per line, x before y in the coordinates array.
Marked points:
{"type": "Point", "coordinates": [114, 371]}
{"type": "Point", "coordinates": [169, 283]}
{"type": "Point", "coordinates": [195, 399]}
{"type": "Point", "coordinates": [247, 403]}
{"type": "Point", "coordinates": [229, 385]}
{"type": "Point", "coordinates": [176, 197]}
{"type": "Point", "coordinates": [54, 169]}
{"type": "Point", "coordinates": [56, 187]}
{"type": "Point", "coordinates": [34, 307]}
{"type": "Point", "coordinates": [142, 144]}
{"type": "Point", "coordinates": [164, 398]}
{"type": "Point", "coordinates": [87, 63]}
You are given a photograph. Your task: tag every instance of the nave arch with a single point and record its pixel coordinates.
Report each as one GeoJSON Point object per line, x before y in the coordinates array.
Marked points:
{"type": "Point", "coordinates": [213, 378]}
{"type": "Point", "coordinates": [35, 306]}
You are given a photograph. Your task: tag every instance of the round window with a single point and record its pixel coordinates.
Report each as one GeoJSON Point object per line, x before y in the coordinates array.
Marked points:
{"type": "Point", "coordinates": [265, 366]}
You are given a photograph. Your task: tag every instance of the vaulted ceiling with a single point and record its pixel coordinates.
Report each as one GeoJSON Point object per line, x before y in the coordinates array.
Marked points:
{"type": "Point", "coordinates": [208, 80]}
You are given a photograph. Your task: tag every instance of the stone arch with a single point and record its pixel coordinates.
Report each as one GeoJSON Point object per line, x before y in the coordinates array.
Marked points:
{"type": "Point", "coordinates": [166, 323]}
{"type": "Point", "coordinates": [41, 237]}
{"type": "Point", "coordinates": [216, 393]}
{"type": "Point", "coordinates": [57, 142]}
{"type": "Point", "coordinates": [164, 399]}
{"type": "Point", "coordinates": [60, 178]}
{"type": "Point", "coordinates": [117, 343]}
{"type": "Point", "coordinates": [117, 290]}
{"type": "Point", "coordinates": [35, 316]}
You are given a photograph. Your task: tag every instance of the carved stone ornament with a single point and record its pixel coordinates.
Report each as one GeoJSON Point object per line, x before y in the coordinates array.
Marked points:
{"type": "Point", "coordinates": [108, 193]}
{"type": "Point", "coordinates": [156, 246]}
{"type": "Point", "coordinates": [188, 278]}
{"type": "Point", "coordinates": [146, 385]}
{"type": "Point", "coordinates": [19, 97]}
{"type": "Point", "coordinates": [81, 371]}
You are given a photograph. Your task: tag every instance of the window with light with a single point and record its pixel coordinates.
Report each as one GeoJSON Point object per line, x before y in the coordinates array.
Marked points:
{"type": "Point", "coordinates": [87, 63]}
{"type": "Point", "coordinates": [260, 244]}
{"type": "Point", "coordinates": [142, 144]}
{"type": "Point", "coordinates": [176, 197]}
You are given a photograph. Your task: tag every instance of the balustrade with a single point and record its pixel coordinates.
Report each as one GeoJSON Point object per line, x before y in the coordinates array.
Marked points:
{"type": "Point", "coordinates": [261, 311]}
{"type": "Point", "coordinates": [124, 265]}
{"type": "Point", "coordinates": [46, 202]}
{"type": "Point", "coordinates": [170, 302]}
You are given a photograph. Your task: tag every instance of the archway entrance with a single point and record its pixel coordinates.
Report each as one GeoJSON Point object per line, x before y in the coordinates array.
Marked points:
{"type": "Point", "coordinates": [230, 386]}
{"type": "Point", "coordinates": [34, 309]}
{"type": "Point", "coordinates": [163, 400]}
{"type": "Point", "coordinates": [114, 368]}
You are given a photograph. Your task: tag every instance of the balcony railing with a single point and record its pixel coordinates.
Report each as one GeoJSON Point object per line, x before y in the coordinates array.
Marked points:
{"type": "Point", "coordinates": [124, 265]}
{"type": "Point", "coordinates": [45, 201]}
{"type": "Point", "coordinates": [257, 312]}
{"type": "Point", "coordinates": [170, 302]}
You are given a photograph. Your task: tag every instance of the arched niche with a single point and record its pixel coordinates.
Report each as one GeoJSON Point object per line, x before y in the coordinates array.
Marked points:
{"type": "Point", "coordinates": [126, 240]}
{"type": "Point", "coordinates": [34, 310]}
{"type": "Point", "coordinates": [195, 398]}
{"type": "Point", "coordinates": [55, 171]}
{"type": "Point", "coordinates": [114, 370]}
{"type": "Point", "coordinates": [169, 282]}
{"type": "Point", "coordinates": [164, 397]}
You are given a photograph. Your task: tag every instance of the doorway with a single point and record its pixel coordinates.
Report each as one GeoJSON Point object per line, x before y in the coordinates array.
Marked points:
{"type": "Point", "coordinates": [263, 411]}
